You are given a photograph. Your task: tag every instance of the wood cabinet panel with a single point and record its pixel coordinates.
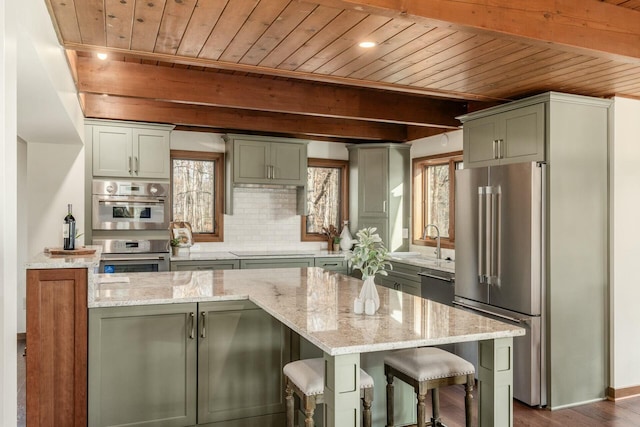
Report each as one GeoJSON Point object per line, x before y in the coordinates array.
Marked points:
{"type": "Point", "coordinates": [57, 347]}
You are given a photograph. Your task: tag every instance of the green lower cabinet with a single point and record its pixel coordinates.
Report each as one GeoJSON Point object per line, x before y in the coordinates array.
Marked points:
{"type": "Point", "coordinates": [241, 353]}
{"type": "Point", "coordinates": [142, 366]}
{"type": "Point", "coordinates": [402, 277]}
{"type": "Point", "coordinates": [231, 264]}
{"type": "Point", "coordinates": [177, 365]}
{"type": "Point", "coordinates": [337, 264]}
{"type": "Point", "coordinates": [276, 262]}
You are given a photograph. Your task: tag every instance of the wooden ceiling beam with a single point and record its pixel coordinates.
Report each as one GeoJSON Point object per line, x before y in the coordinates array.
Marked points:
{"type": "Point", "coordinates": [589, 27]}
{"type": "Point", "coordinates": [249, 92]}
{"type": "Point", "coordinates": [144, 110]}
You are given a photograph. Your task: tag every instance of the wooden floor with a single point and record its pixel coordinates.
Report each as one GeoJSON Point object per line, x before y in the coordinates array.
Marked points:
{"type": "Point", "coordinates": [624, 413]}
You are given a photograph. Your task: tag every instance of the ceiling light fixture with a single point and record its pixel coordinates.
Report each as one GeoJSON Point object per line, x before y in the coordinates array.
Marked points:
{"type": "Point", "coordinates": [367, 45]}
{"type": "Point", "coordinates": [102, 56]}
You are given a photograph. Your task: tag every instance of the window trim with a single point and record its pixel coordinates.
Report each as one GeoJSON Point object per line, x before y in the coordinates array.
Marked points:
{"type": "Point", "coordinates": [418, 165]}
{"type": "Point", "coordinates": [343, 165]}
{"type": "Point", "coordinates": [218, 215]}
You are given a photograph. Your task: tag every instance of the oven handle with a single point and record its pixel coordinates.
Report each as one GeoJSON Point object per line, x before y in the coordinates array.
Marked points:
{"type": "Point", "coordinates": [160, 258]}
{"type": "Point", "coordinates": [125, 202]}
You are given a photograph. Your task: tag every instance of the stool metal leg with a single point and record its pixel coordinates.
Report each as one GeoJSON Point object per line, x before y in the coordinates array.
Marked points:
{"type": "Point", "coordinates": [289, 402]}
{"type": "Point", "coordinates": [389, 400]}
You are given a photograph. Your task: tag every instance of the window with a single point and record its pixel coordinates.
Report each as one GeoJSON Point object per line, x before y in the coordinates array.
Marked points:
{"type": "Point", "coordinates": [433, 198]}
{"type": "Point", "coordinates": [197, 192]}
{"type": "Point", "coordinates": [327, 197]}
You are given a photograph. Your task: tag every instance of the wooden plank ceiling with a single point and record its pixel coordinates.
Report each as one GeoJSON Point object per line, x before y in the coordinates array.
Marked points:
{"type": "Point", "coordinates": [294, 67]}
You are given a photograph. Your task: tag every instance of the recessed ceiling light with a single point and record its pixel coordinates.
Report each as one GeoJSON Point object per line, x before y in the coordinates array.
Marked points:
{"type": "Point", "coordinates": [367, 45]}
{"type": "Point", "coordinates": [102, 56]}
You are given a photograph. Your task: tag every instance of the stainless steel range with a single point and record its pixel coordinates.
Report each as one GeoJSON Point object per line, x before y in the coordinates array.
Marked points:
{"type": "Point", "coordinates": [132, 256]}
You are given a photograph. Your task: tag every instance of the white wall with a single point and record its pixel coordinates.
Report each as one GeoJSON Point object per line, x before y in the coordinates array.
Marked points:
{"type": "Point", "coordinates": [8, 212]}
{"type": "Point", "coordinates": [424, 147]}
{"type": "Point", "coordinates": [625, 250]}
{"type": "Point", "coordinates": [55, 179]}
{"type": "Point", "coordinates": [264, 218]}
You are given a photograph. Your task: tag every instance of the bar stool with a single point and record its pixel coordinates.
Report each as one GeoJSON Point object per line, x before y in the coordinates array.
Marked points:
{"type": "Point", "coordinates": [425, 369]}
{"type": "Point", "coordinates": [306, 379]}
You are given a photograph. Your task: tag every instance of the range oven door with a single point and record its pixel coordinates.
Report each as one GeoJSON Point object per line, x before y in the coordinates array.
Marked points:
{"type": "Point", "coordinates": [134, 263]}
{"type": "Point", "coordinates": [130, 213]}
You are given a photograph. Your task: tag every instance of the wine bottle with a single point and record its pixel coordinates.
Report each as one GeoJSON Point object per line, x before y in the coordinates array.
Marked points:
{"type": "Point", "coordinates": [69, 230]}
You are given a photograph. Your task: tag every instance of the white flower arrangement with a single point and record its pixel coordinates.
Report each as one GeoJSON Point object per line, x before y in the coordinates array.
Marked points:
{"type": "Point", "coordinates": [369, 254]}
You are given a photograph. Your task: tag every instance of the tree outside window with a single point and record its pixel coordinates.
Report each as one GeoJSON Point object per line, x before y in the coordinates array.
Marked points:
{"type": "Point", "coordinates": [327, 197]}
{"type": "Point", "coordinates": [433, 198]}
{"type": "Point", "coordinates": [197, 192]}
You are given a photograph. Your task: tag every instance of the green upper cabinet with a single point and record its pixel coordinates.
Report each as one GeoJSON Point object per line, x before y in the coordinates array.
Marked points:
{"type": "Point", "coordinates": [128, 151]}
{"type": "Point", "coordinates": [512, 136]}
{"type": "Point", "coordinates": [379, 191]}
{"type": "Point", "coordinates": [265, 161]}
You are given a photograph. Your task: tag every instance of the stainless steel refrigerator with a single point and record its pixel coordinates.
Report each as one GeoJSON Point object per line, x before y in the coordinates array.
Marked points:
{"type": "Point", "coordinates": [499, 232]}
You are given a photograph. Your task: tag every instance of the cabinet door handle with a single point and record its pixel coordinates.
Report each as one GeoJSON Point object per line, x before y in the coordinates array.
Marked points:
{"type": "Point", "coordinates": [192, 333]}
{"type": "Point", "coordinates": [137, 164]}
{"type": "Point", "coordinates": [500, 153]}
{"type": "Point", "coordinates": [384, 206]}
{"type": "Point", "coordinates": [495, 148]}
{"type": "Point", "coordinates": [130, 164]}
{"type": "Point", "coordinates": [203, 317]}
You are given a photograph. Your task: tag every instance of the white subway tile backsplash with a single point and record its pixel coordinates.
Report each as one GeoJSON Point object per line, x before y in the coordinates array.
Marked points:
{"type": "Point", "coordinates": [263, 219]}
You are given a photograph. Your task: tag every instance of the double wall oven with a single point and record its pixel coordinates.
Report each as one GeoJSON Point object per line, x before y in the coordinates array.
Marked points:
{"type": "Point", "coordinates": [125, 214]}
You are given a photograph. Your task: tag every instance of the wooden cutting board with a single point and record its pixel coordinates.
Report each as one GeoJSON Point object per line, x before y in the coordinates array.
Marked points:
{"type": "Point", "coordinates": [81, 251]}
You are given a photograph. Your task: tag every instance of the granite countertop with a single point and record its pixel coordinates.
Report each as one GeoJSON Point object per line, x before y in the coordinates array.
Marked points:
{"type": "Point", "coordinates": [240, 254]}
{"type": "Point", "coordinates": [415, 258]}
{"type": "Point", "coordinates": [46, 260]}
{"type": "Point", "coordinates": [315, 303]}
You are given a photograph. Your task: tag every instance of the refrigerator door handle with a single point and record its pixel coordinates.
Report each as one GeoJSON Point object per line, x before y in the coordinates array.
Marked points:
{"type": "Point", "coordinates": [489, 234]}
{"type": "Point", "coordinates": [495, 236]}
{"type": "Point", "coordinates": [491, 313]}
{"type": "Point", "coordinates": [481, 231]}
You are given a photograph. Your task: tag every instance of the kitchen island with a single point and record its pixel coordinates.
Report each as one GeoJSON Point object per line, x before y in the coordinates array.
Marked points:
{"type": "Point", "coordinates": [318, 305]}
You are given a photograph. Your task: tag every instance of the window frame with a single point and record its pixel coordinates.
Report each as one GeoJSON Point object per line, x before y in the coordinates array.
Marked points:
{"type": "Point", "coordinates": [419, 202]}
{"type": "Point", "coordinates": [218, 214]}
{"type": "Point", "coordinates": [343, 165]}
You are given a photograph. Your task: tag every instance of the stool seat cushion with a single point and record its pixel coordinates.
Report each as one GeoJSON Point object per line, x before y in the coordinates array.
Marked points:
{"type": "Point", "coordinates": [308, 376]}
{"type": "Point", "coordinates": [428, 363]}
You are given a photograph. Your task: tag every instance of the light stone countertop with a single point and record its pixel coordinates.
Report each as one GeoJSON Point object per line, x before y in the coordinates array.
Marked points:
{"type": "Point", "coordinates": [213, 256]}
{"type": "Point", "coordinates": [46, 260]}
{"type": "Point", "coordinates": [427, 262]}
{"type": "Point", "coordinates": [315, 303]}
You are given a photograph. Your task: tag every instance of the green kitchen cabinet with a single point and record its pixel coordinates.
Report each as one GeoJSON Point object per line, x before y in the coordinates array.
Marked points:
{"type": "Point", "coordinates": [226, 264]}
{"type": "Point", "coordinates": [248, 263]}
{"type": "Point", "coordinates": [337, 264]}
{"type": "Point", "coordinates": [129, 150]}
{"type": "Point", "coordinates": [265, 161]}
{"type": "Point", "coordinates": [143, 365]}
{"type": "Point", "coordinates": [510, 135]}
{"type": "Point", "coordinates": [379, 191]}
{"type": "Point", "coordinates": [402, 277]}
{"type": "Point", "coordinates": [174, 365]}
{"type": "Point", "coordinates": [241, 353]}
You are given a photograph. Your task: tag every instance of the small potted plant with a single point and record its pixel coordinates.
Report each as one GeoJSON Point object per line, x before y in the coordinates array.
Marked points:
{"type": "Point", "coordinates": [175, 246]}
{"type": "Point", "coordinates": [336, 244]}
{"type": "Point", "coordinates": [370, 257]}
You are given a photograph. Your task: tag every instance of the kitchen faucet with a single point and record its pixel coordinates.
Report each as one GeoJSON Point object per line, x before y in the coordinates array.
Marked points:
{"type": "Point", "coordinates": [424, 237]}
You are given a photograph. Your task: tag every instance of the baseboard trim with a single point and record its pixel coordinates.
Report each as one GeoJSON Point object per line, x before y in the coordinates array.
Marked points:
{"type": "Point", "coordinates": [22, 336]}
{"type": "Point", "coordinates": [622, 393]}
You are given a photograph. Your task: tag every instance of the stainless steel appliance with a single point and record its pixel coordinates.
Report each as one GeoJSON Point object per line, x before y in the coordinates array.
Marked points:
{"type": "Point", "coordinates": [437, 285]}
{"type": "Point", "coordinates": [500, 261]}
{"type": "Point", "coordinates": [133, 256]}
{"type": "Point", "coordinates": [127, 205]}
